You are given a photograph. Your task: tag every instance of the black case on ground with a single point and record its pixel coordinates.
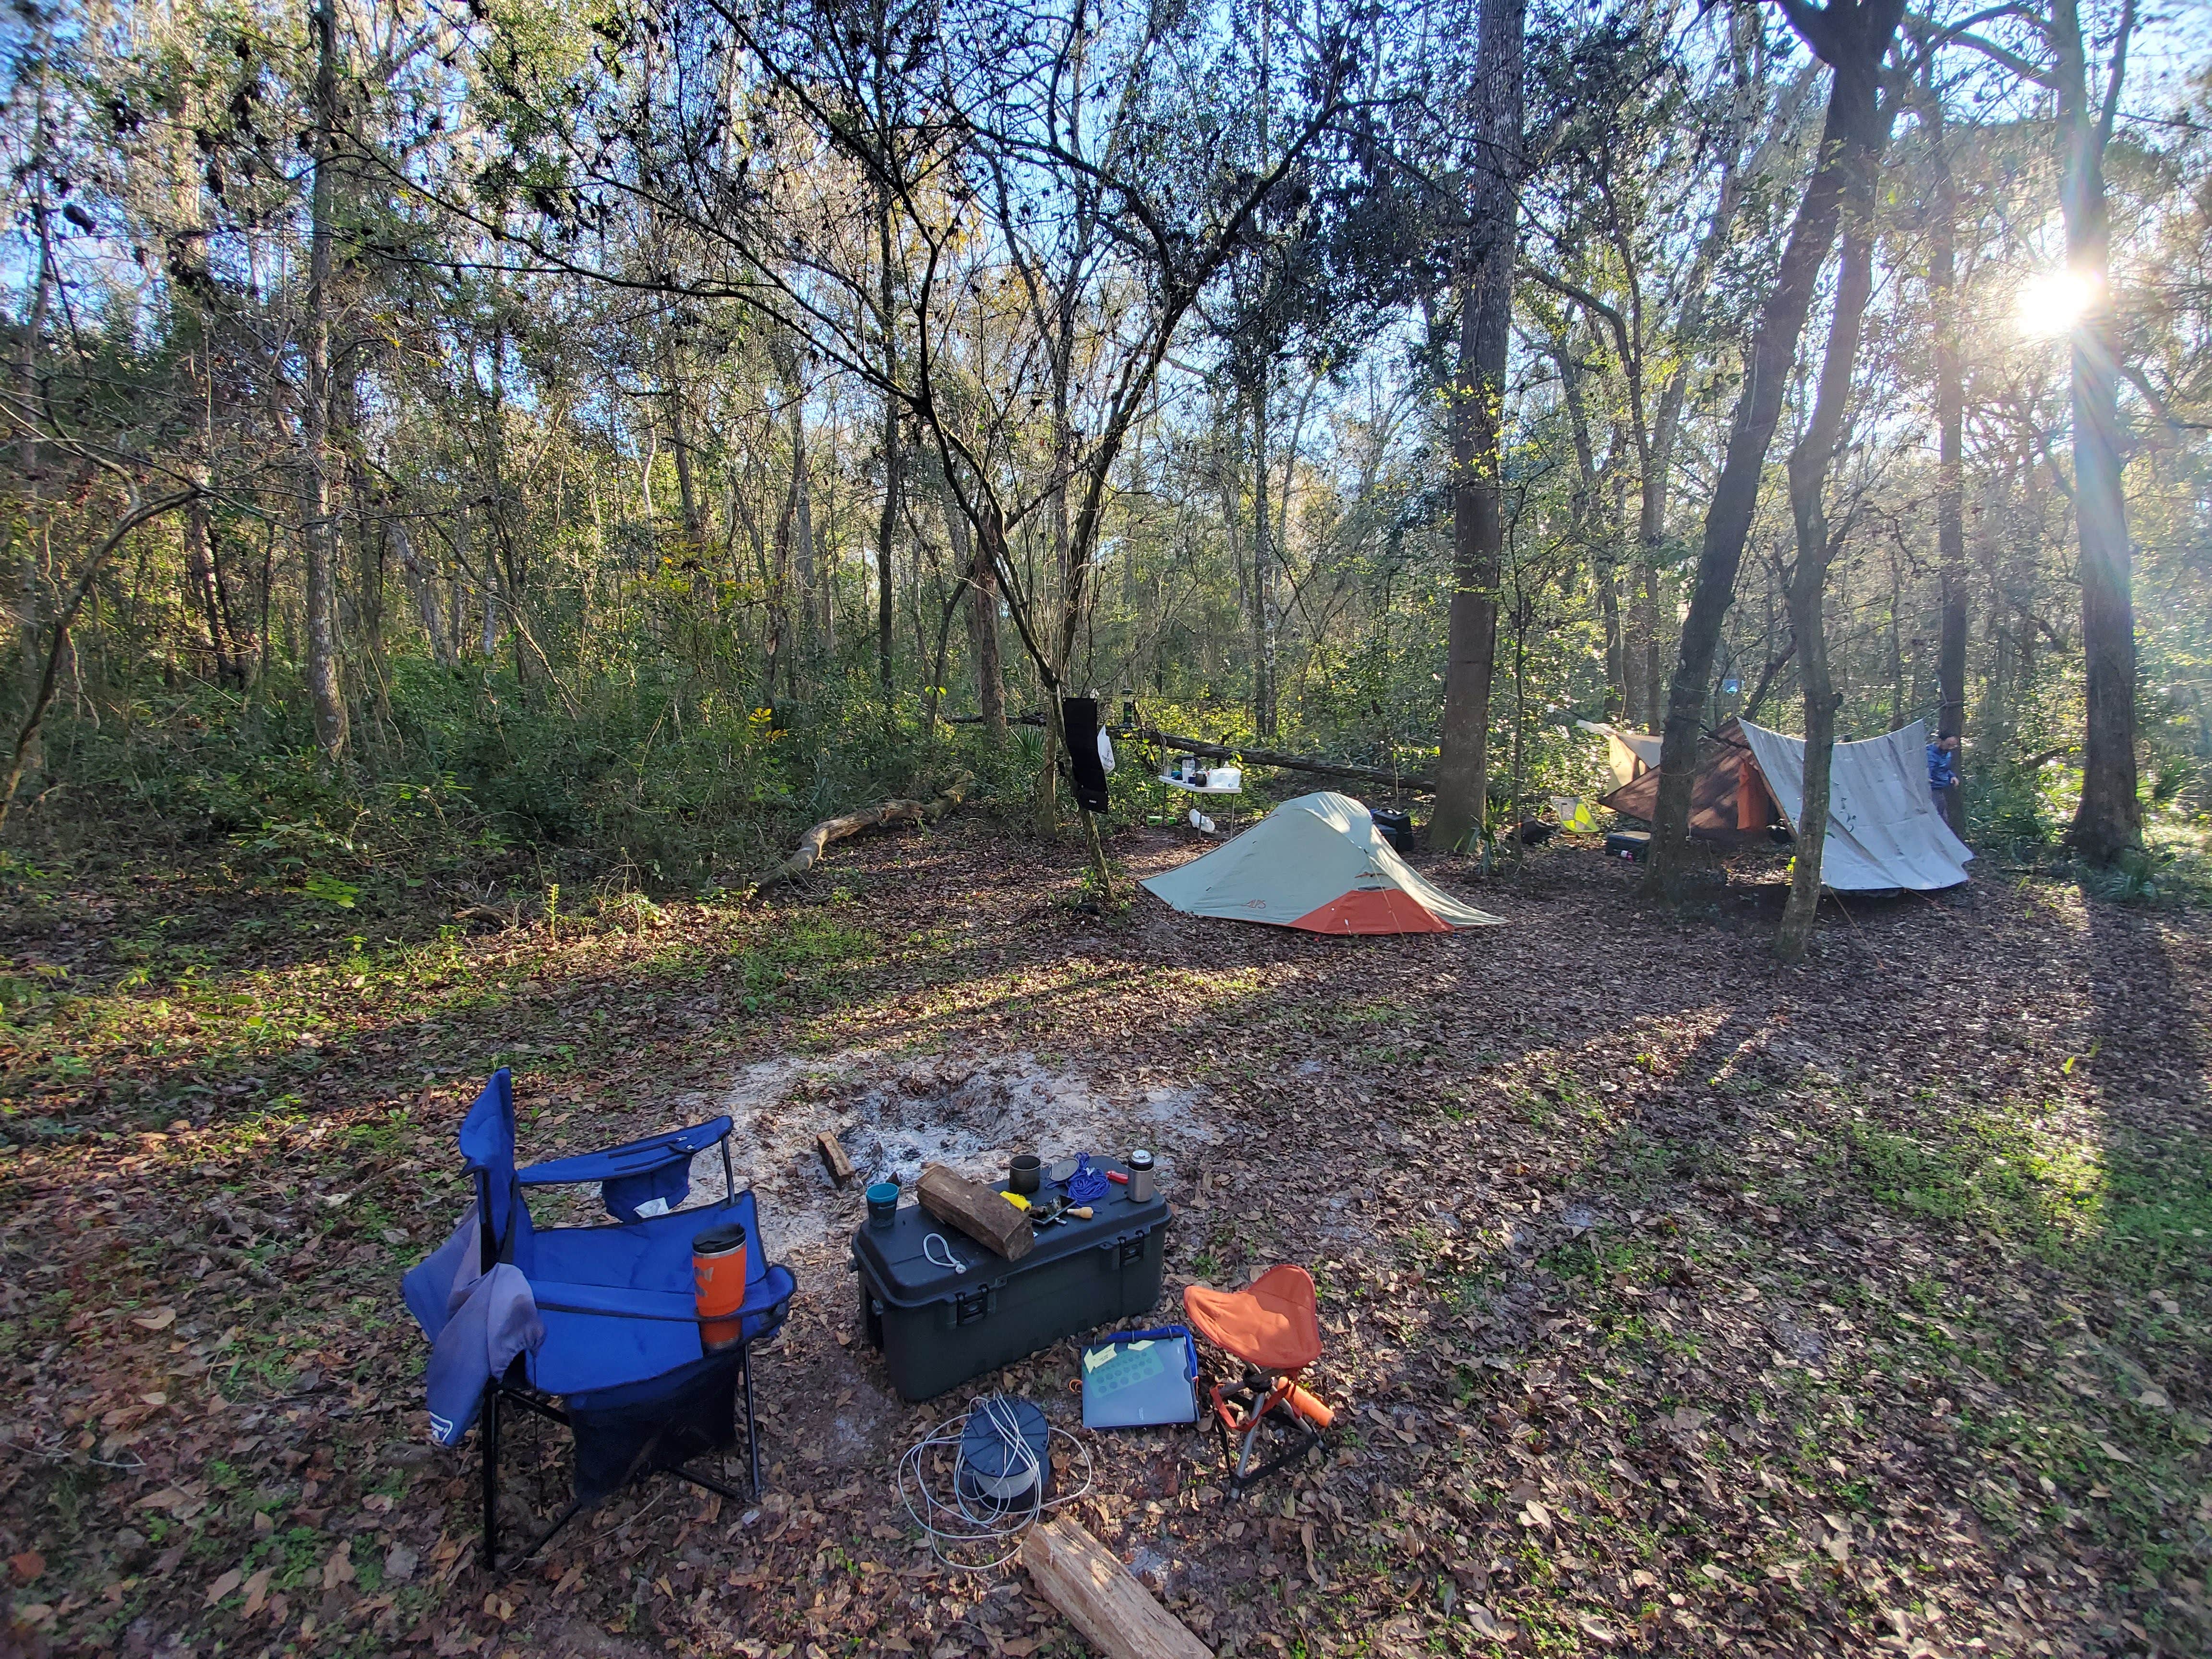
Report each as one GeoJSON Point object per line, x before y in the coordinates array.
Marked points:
{"type": "Point", "coordinates": [937, 1328]}
{"type": "Point", "coordinates": [1396, 828]}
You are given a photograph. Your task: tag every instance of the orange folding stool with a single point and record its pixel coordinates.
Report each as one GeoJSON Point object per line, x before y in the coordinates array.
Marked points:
{"type": "Point", "coordinates": [1272, 1326]}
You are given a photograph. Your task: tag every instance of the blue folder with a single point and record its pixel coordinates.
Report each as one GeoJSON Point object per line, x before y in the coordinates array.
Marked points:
{"type": "Point", "coordinates": [1141, 1379]}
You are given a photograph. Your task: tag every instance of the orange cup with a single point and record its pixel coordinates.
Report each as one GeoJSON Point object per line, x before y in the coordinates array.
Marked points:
{"type": "Point", "coordinates": [718, 1277]}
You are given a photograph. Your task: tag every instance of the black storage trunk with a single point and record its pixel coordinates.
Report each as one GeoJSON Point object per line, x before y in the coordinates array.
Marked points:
{"type": "Point", "coordinates": [1396, 828]}
{"type": "Point", "coordinates": [938, 1328]}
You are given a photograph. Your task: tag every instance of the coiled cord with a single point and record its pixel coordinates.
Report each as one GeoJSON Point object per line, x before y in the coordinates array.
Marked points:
{"type": "Point", "coordinates": [965, 1524]}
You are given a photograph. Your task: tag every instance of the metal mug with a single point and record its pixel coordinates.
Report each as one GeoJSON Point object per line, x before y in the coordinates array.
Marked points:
{"type": "Point", "coordinates": [1141, 1176]}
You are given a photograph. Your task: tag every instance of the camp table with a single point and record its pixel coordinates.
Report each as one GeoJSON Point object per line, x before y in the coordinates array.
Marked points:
{"type": "Point", "coordinates": [1231, 791]}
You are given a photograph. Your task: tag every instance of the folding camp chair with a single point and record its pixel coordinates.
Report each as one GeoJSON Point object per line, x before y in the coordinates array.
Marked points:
{"type": "Point", "coordinates": [1274, 1327]}
{"type": "Point", "coordinates": [622, 1351]}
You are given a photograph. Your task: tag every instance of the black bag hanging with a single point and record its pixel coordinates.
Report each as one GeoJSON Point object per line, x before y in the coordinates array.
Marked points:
{"type": "Point", "coordinates": [1078, 718]}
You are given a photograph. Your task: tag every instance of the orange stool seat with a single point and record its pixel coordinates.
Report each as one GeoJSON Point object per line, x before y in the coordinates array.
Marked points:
{"type": "Point", "coordinates": [1272, 1322]}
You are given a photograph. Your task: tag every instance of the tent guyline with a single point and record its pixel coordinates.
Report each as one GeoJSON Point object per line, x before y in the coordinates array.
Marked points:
{"type": "Point", "coordinates": [1404, 783]}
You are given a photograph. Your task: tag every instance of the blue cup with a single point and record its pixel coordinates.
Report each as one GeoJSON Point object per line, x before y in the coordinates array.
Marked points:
{"type": "Point", "coordinates": [883, 1205]}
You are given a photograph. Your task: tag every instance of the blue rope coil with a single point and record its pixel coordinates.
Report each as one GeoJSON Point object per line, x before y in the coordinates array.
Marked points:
{"type": "Point", "coordinates": [1085, 1185]}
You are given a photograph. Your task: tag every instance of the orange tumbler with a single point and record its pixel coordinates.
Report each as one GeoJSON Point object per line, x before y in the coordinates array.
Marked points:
{"type": "Point", "coordinates": [718, 1277]}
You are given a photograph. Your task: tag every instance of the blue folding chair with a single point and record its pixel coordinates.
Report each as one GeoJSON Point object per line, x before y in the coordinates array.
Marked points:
{"type": "Point", "coordinates": [623, 1349]}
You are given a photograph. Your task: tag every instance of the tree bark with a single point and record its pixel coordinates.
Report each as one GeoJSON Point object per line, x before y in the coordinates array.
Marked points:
{"type": "Point", "coordinates": [687, 490]}
{"type": "Point", "coordinates": [982, 623]}
{"type": "Point", "coordinates": [422, 583]}
{"type": "Point", "coordinates": [887, 302]}
{"type": "Point", "coordinates": [1477, 409]}
{"type": "Point", "coordinates": [2108, 818]}
{"type": "Point", "coordinates": [814, 592]}
{"type": "Point", "coordinates": [1809, 476]}
{"type": "Point", "coordinates": [1851, 38]}
{"type": "Point", "coordinates": [1598, 522]}
{"type": "Point", "coordinates": [1950, 421]}
{"type": "Point", "coordinates": [1645, 664]}
{"type": "Point", "coordinates": [1263, 638]}
{"type": "Point", "coordinates": [199, 581]}
{"type": "Point", "coordinates": [323, 687]}
{"type": "Point", "coordinates": [30, 585]}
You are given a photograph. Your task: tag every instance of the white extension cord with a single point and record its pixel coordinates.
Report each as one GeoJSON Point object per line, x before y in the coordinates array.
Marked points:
{"type": "Point", "coordinates": [964, 1525]}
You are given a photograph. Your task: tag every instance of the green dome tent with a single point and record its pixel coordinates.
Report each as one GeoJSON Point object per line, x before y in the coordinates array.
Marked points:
{"type": "Point", "coordinates": [1318, 863]}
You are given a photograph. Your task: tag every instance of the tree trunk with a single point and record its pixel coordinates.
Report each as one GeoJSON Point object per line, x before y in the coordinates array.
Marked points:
{"type": "Point", "coordinates": [28, 459]}
{"type": "Point", "coordinates": [323, 687]}
{"type": "Point", "coordinates": [1950, 426]}
{"type": "Point", "coordinates": [892, 458]}
{"type": "Point", "coordinates": [423, 584]}
{"type": "Point", "coordinates": [982, 623]}
{"type": "Point", "coordinates": [1477, 410]}
{"type": "Point", "coordinates": [1809, 476]}
{"type": "Point", "coordinates": [1853, 39]}
{"type": "Point", "coordinates": [679, 440]}
{"type": "Point", "coordinates": [1263, 637]}
{"type": "Point", "coordinates": [2110, 817]}
{"type": "Point", "coordinates": [814, 636]}
{"type": "Point", "coordinates": [1606, 575]}
{"type": "Point", "coordinates": [1598, 521]}
{"type": "Point", "coordinates": [199, 582]}
{"type": "Point", "coordinates": [1645, 663]}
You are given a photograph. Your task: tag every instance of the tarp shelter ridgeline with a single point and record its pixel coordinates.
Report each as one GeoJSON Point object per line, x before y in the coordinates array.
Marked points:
{"type": "Point", "coordinates": [1319, 863]}
{"type": "Point", "coordinates": [1884, 831]}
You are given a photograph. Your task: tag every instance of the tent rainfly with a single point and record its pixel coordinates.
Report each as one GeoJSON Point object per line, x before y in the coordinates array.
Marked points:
{"type": "Point", "coordinates": [1318, 863]}
{"type": "Point", "coordinates": [1628, 755]}
{"type": "Point", "coordinates": [1884, 831]}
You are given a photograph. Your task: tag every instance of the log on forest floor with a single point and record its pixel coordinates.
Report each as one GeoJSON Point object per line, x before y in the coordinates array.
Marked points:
{"type": "Point", "coordinates": [884, 813]}
{"type": "Point", "coordinates": [1095, 1593]}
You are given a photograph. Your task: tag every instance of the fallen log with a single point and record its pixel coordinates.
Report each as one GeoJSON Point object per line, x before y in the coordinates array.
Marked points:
{"type": "Point", "coordinates": [1404, 783]}
{"type": "Point", "coordinates": [810, 844]}
{"type": "Point", "coordinates": [1097, 1594]}
{"type": "Point", "coordinates": [834, 1161]}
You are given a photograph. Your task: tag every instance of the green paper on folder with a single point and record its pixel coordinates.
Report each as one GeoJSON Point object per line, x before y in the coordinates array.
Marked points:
{"type": "Point", "coordinates": [1141, 1379]}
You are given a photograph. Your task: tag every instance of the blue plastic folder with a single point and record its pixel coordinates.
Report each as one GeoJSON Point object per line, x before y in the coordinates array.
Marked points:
{"type": "Point", "coordinates": [1141, 1379]}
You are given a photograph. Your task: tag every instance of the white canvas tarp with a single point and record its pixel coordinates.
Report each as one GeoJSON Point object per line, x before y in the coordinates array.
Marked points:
{"type": "Point", "coordinates": [1628, 755]}
{"type": "Point", "coordinates": [1883, 828]}
{"type": "Point", "coordinates": [1318, 863]}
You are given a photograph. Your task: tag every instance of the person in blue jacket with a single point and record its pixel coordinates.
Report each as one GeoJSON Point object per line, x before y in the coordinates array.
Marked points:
{"type": "Point", "coordinates": [1943, 777]}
